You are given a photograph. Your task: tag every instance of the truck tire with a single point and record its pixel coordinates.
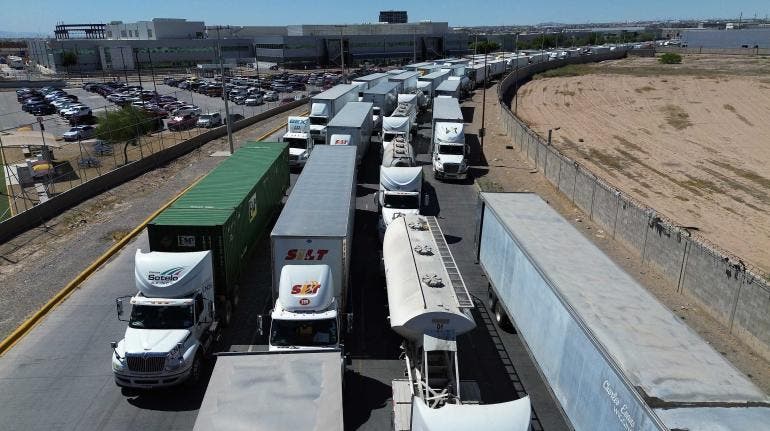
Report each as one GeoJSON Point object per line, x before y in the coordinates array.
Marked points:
{"type": "Point", "coordinates": [502, 318]}
{"type": "Point", "coordinates": [196, 370]}
{"type": "Point", "coordinates": [491, 298]}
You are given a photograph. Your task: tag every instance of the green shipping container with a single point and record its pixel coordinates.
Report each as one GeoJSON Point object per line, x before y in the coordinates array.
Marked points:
{"type": "Point", "coordinates": [227, 211]}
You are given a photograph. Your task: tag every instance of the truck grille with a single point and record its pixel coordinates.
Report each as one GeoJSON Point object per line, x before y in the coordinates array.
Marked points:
{"type": "Point", "coordinates": [149, 364]}
{"type": "Point", "coordinates": [292, 157]}
{"type": "Point", "coordinates": [451, 168]}
{"type": "Point", "coordinates": [315, 132]}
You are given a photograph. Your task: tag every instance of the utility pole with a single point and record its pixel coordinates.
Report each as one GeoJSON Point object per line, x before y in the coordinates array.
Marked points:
{"type": "Point", "coordinates": [516, 77]}
{"type": "Point", "coordinates": [342, 53]}
{"type": "Point", "coordinates": [138, 66]}
{"type": "Point", "coordinates": [482, 131]}
{"type": "Point", "coordinates": [414, 45]}
{"type": "Point", "coordinates": [152, 70]}
{"type": "Point", "coordinates": [224, 91]}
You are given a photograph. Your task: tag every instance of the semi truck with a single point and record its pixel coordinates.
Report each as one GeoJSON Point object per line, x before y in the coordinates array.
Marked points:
{"type": "Point", "coordinates": [400, 191]}
{"type": "Point", "coordinates": [298, 138]}
{"type": "Point", "coordinates": [369, 81]}
{"type": "Point", "coordinates": [406, 80]}
{"type": "Point", "coordinates": [614, 357]}
{"type": "Point", "coordinates": [288, 390]}
{"type": "Point", "coordinates": [188, 282]}
{"type": "Point", "coordinates": [430, 307]}
{"type": "Point", "coordinates": [476, 73]}
{"type": "Point", "coordinates": [434, 79]}
{"type": "Point", "coordinates": [352, 126]}
{"type": "Point", "coordinates": [414, 66]}
{"type": "Point", "coordinates": [324, 106]}
{"type": "Point", "coordinates": [449, 88]}
{"type": "Point", "coordinates": [384, 98]}
{"type": "Point", "coordinates": [448, 148]}
{"type": "Point", "coordinates": [311, 247]}
{"type": "Point", "coordinates": [396, 128]}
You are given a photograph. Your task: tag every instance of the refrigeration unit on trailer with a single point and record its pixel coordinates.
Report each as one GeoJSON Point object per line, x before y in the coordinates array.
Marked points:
{"type": "Point", "coordinates": [352, 126]}
{"type": "Point", "coordinates": [324, 106]}
{"type": "Point", "coordinates": [297, 136]}
{"type": "Point", "coordinates": [188, 282]}
{"type": "Point", "coordinates": [614, 357]}
{"type": "Point", "coordinates": [311, 249]}
{"type": "Point", "coordinates": [289, 390]}
{"type": "Point", "coordinates": [369, 81]}
{"type": "Point", "coordinates": [429, 306]}
{"type": "Point", "coordinates": [384, 98]}
{"type": "Point", "coordinates": [414, 66]}
{"type": "Point", "coordinates": [448, 148]}
{"type": "Point", "coordinates": [449, 88]}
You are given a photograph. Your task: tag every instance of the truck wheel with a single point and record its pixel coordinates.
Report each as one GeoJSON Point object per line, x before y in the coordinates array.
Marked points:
{"type": "Point", "coordinates": [492, 299]}
{"type": "Point", "coordinates": [195, 370]}
{"type": "Point", "coordinates": [502, 318]}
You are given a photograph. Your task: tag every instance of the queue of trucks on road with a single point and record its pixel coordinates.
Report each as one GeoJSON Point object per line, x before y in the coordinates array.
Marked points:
{"type": "Point", "coordinates": [188, 287]}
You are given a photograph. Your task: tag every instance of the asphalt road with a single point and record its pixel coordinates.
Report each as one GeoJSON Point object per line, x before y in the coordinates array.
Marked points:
{"type": "Point", "coordinates": [59, 376]}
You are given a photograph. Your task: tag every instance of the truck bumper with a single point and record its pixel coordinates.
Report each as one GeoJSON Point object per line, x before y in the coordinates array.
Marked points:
{"type": "Point", "coordinates": [149, 381]}
{"type": "Point", "coordinates": [454, 176]}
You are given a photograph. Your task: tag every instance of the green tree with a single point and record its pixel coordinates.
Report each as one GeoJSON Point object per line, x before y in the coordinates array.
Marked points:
{"type": "Point", "coordinates": [485, 47]}
{"type": "Point", "coordinates": [670, 58]}
{"type": "Point", "coordinates": [69, 58]}
{"type": "Point", "coordinates": [124, 125]}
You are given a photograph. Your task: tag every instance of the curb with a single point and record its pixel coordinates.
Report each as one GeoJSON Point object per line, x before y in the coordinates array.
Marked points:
{"type": "Point", "coordinates": [22, 330]}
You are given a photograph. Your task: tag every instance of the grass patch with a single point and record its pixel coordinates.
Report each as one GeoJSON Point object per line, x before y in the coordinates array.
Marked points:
{"type": "Point", "coordinates": [487, 185]}
{"type": "Point", "coordinates": [644, 89]}
{"type": "Point", "coordinates": [676, 117]}
{"type": "Point", "coordinates": [117, 235]}
{"type": "Point", "coordinates": [732, 109]}
{"type": "Point", "coordinates": [565, 92]}
{"type": "Point", "coordinates": [630, 145]}
{"type": "Point", "coordinates": [568, 70]}
{"type": "Point", "coordinates": [605, 159]}
{"type": "Point", "coordinates": [744, 173]}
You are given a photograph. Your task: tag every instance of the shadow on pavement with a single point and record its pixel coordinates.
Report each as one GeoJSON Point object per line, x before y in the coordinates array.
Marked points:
{"type": "Point", "coordinates": [361, 396]}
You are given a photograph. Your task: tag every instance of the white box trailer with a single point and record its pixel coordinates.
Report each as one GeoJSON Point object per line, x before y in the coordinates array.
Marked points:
{"type": "Point", "coordinates": [614, 357]}
{"type": "Point", "coordinates": [414, 66]}
{"type": "Point", "coordinates": [455, 69]}
{"type": "Point", "coordinates": [275, 391]}
{"type": "Point", "coordinates": [408, 81]}
{"type": "Point", "coordinates": [369, 81]}
{"type": "Point", "coordinates": [352, 126]}
{"type": "Point", "coordinates": [449, 89]}
{"type": "Point", "coordinates": [496, 68]}
{"type": "Point", "coordinates": [434, 79]}
{"type": "Point", "coordinates": [476, 73]}
{"type": "Point", "coordinates": [383, 97]}
{"type": "Point", "coordinates": [324, 106]}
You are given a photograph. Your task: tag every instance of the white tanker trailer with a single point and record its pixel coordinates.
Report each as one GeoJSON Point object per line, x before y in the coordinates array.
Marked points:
{"type": "Point", "coordinates": [430, 307]}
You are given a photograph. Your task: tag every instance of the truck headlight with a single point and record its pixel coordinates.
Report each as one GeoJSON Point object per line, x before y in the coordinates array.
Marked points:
{"type": "Point", "coordinates": [118, 364]}
{"type": "Point", "coordinates": [174, 358]}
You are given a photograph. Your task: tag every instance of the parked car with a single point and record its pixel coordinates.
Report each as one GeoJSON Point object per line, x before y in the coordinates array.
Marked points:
{"type": "Point", "coordinates": [79, 133]}
{"type": "Point", "coordinates": [182, 122]}
{"type": "Point", "coordinates": [76, 111]}
{"type": "Point", "coordinates": [271, 96]}
{"type": "Point", "coordinates": [209, 120]}
{"type": "Point", "coordinates": [42, 109]}
{"type": "Point", "coordinates": [254, 100]}
{"type": "Point", "coordinates": [186, 109]}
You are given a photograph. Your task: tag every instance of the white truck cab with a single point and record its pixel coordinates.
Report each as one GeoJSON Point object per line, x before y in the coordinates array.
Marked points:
{"type": "Point", "coordinates": [450, 152]}
{"type": "Point", "coordinates": [400, 194]}
{"type": "Point", "coordinates": [171, 323]}
{"type": "Point", "coordinates": [298, 137]}
{"type": "Point", "coordinates": [305, 315]}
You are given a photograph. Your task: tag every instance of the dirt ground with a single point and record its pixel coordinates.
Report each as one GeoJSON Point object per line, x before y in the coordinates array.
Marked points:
{"type": "Point", "coordinates": [689, 140]}
{"type": "Point", "coordinates": [505, 169]}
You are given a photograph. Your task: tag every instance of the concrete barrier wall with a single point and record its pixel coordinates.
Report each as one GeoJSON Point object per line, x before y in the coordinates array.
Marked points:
{"type": "Point", "coordinates": [54, 206]}
{"type": "Point", "coordinates": [737, 296]}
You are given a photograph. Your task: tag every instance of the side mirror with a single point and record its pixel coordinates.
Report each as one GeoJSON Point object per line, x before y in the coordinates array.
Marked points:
{"type": "Point", "coordinates": [114, 345]}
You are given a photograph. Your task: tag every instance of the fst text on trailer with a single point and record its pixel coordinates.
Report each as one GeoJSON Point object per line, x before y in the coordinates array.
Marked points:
{"type": "Point", "coordinates": [352, 126]}
{"type": "Point", "coordinates": [189, 282]}
{"type": "Point", "coordinates": [324, 106]}
{"type": "Point", "coordinates": [614, 357]}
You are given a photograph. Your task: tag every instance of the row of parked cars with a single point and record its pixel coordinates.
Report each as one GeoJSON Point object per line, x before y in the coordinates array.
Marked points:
{"type": "Point", "coordinates": [50, 100]}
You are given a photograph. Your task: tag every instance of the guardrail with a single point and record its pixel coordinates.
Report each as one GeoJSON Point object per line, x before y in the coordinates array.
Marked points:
{"type": "Point", "coordinates": [735, 295]}
{"type": "Point", "coordinates": [55, 205]}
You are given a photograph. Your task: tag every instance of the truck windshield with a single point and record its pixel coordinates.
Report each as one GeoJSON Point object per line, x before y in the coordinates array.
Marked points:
{"type": "Point", "coordinates": [161, 317]}
{"type": "Point", "coordinates": [456, 150]}
{"type": "Point", "coordinates": [318, 121]}
{"type": "Point", "coordinates": [313, 333]}
{"type": "Point", "coordinates": [388, 137]}
{"type": "Point", "coordinates": [296, 143]}
{"type": "Point", "coordinates": [402, 202]}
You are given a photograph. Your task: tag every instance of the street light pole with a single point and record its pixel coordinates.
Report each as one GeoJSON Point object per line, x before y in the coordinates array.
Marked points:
{"type": "Point", "coordinates": [138, 66]}
{"type": "Point", "coordinates": [516, 77]}
{"type": "Point", "coordinates": [482, 131]}
{"type": "Point", "coordinates": [224, 92]}
{"type": "Point", "coordinates": [152, 70]}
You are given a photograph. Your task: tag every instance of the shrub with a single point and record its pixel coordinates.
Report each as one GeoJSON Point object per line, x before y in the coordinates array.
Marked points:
{"type": "Point", "coordinates": [670, 58]}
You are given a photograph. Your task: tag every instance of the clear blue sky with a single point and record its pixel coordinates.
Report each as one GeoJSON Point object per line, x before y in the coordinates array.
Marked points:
{"type": "Point", "coordinates": [42, 15]}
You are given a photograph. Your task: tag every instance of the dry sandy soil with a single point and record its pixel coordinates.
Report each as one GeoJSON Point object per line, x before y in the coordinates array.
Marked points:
{"type": "Point", "coordinates": [690, 140]}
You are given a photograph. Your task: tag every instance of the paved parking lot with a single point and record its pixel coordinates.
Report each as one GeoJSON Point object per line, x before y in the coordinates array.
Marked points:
{"type": "Point", "coordinates": [11, 115]}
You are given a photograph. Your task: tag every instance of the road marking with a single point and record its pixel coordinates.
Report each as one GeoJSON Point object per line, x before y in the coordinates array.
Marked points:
{"type": "Point", "coordinates": [22, 330]}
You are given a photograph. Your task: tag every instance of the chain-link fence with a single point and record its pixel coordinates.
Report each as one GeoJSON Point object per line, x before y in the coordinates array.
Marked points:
{"type": "Point", "coordinates": [736, 293]}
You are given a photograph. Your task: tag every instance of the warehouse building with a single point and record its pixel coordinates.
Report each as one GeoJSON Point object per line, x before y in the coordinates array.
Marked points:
{"type": "Point", "coordinates": [165, 42]}
{"type": "Point", "coordinates": [726, 39]}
